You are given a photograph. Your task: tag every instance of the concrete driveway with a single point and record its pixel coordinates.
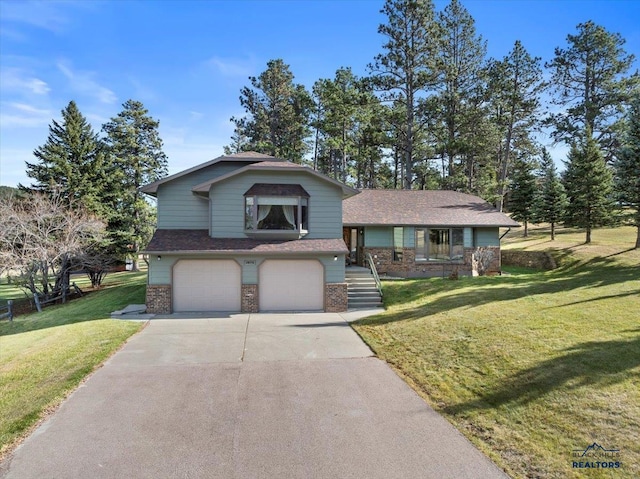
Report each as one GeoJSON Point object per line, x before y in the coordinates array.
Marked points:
{"type": "Point", "coordinates": [246, 396]}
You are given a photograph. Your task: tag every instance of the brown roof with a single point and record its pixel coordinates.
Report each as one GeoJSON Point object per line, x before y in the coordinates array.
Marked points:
{"type": "Point", "coordinates": [274, 166]}
{"type": "Point", "coordinates": [269, 189]}
{"type": "Point", "coordinates": [199, 241]}
{"type": "Point", "coordinates": [421, 207]}
{"type": "Point", "coordinates": [245, 156]}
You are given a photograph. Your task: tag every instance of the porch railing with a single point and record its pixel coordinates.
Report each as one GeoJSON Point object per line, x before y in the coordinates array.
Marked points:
{"type": "Point", "coordinates": [374, 271]}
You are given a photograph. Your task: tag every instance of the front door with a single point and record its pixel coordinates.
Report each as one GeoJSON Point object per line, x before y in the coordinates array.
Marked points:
{"type": "Point", "coordinates": [354, 239]}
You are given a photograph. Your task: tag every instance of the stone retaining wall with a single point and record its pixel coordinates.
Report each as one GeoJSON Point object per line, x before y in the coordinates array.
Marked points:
{"type": "Point", "coordinates": [528, 259]}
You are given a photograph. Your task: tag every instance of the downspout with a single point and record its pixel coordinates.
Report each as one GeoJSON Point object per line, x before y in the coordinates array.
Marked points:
{"type": "Point", "coordinates": [505, 234]}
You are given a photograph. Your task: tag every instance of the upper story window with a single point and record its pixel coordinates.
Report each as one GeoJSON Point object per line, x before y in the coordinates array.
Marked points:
{"type": "Point", "coordinates": [439, 244]}
{"type": "Point", "coordinates": [276, 208]}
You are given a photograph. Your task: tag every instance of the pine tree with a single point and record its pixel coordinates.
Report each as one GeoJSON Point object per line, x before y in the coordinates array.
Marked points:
{"type": "Point", "coordinates": [591, 87]}
{"type": "Point", "coordinates": [461, 84]}
{"type": "Point", "coordinates": [627, 176]}
{"type": "Point", "coordinates": [588, 183]}
{"type": "Point", "coordinates": [70, 164]}
{"type": "Point", "coordinates": [406, 72]}
{"type": "Point", "coordinates": [551, 200]}
{"type": "Point", "coordinates": [277, 115]}
{"type": "Point", "coordinates": [522, 195]}
{"type": "Point", "coordinates": [136, 149]}
{"type": "Point", "coordinates": [515, 86]}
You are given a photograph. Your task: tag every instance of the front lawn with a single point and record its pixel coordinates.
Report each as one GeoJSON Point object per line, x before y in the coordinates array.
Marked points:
{"type": "Point", "coordinates": [530, 366]}
{"type": "Point", "coordinates": [44, 356]}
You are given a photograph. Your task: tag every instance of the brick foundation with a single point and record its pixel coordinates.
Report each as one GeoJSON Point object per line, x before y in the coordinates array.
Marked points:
{"type": "Point", "coordinates": [335, 297]}
{"type": "Point", "coordinates": [410, 268]}
{"type": "Point", "coordinates": [249, 296]}
{"type": "Point", "coordinates": [158, 298]}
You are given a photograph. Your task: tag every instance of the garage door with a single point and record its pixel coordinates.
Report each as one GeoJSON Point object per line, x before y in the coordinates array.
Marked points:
{"type": "Point", "coordinates": [291, 285]}
{"type": "Point", "coordinates": [206, 285]}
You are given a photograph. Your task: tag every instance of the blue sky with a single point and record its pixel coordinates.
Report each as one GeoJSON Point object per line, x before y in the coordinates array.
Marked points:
{"type": "Point", "coordinates": [187, 60]}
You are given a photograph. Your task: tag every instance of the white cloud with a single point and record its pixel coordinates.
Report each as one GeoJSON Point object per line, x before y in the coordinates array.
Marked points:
{"type": "Point", "coordinates": [83, 82]}
{"type": "Point", "coordinates": [46, 15]}
{"type": "Point", "coordinates": [15, 79]}
{"type": "Point", "coordinates": [195, 115]}
{"type": "Point", "coordinates": [23, 115]}
{"type": "Point", "coordinates": [232, 67]}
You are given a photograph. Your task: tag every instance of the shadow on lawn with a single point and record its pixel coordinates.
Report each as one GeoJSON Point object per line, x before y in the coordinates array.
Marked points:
{"type": "Point", "coordinates": [592, 274]}
{"type": "Point", "coordinates": [598, 363]}
{"type": "Point", "coordinates": [97, 305]}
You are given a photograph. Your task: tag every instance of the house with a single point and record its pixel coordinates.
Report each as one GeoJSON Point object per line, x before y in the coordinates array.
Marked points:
{"type": "Point", "coordinates": [420, 233]}
{"type": "Point", "coordinates": [249, 232]}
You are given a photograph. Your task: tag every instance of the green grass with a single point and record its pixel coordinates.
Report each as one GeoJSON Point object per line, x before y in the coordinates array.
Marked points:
{"type": "Point", "coordinates": [44, 356]}
{"type": "Point", "coordinates": [532, 365]}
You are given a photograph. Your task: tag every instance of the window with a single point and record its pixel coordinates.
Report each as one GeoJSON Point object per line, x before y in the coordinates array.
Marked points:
{"type": "Point", "coordinates": [398, 242]}
{"type": "Point", "coordinates": [275, 207]}
{"type": "Point", "coordinates": [275, 213]}
{"type": "Point", "coordinates": [439, 244]}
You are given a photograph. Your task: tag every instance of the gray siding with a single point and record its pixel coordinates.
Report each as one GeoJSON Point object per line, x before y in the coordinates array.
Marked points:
{"type": "Point", "coordinates": [179, 208]}
{"type": "Point", "coordinates": [378, 236]}
{"type": "Point", "coordinates": [468, 237]}
{"type": "Point", "coordinates": [227, 203]}
{"type": "Point", "coordinates": [160, 272]}
{"type": "Point", "coordinates": [409, 237]}
{"type": "Point", "coordinates": [487, 237]}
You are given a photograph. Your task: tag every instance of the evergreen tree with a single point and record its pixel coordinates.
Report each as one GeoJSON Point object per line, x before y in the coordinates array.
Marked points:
{"type": "Point", "coordinates": [515, 86]}
{"type": "Point", "coordinates": [627, 176]}
{"type": "Point", "coordinates": [349, 130]}
{"type": "Point", "coordinates": [277, 115]}
{"type": "Point", "coordinates": [551, 199]}
{"type": "Point", "coordinates": [522, 193]}
{"type": "Point", "coordinates": [71, 162]}
{"type": "Point", "coordinates": [588, 183]}
{"type": "Point", "coordinates": [406, 72]}
{"type": "Point", "coordinates": [590, 85]}
{"type": "Point", "coordinates": [136, 149]}
{"type": "Point", "coordinates": [461, 84]}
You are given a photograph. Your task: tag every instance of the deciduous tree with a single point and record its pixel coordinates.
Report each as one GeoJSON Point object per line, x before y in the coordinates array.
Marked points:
{"type": "Point", "coordinates": [42, 237]}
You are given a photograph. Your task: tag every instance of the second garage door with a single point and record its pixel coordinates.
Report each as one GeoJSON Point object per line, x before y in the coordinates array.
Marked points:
{"type": "Point", "coordinates": [291, 285]}
{"type": "Point", "coordinates": [206, 285]}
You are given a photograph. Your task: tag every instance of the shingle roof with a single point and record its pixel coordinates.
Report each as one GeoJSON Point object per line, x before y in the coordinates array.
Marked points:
{"type": "Point", "coordinates": [199, 241]}
{"type": "Point", "coordinates": [421, 207]}
{"type": "Point", "coordinates": [269, 189]}
{"type": "Point", "coordinates": [245, 156]}
{"type": "Point", "coordinates": [270, 165]}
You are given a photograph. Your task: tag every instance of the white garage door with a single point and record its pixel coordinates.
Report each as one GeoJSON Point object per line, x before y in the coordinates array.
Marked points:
{"type": "Point", "coordinates": [206, 285]}
{"type": "Point", "coordinates": [291, 285]}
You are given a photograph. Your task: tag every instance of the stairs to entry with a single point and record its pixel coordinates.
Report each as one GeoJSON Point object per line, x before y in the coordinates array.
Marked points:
{"type": "Point", "coordinates": [361, 288]}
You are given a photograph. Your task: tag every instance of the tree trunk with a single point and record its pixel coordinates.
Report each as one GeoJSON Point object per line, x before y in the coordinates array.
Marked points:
{"type": "Point", "coordinates": [553, 231]}
{"type": "Point", "coordinates": [588, 239]}
{"type": "Point", "coordinates": [526, 229]}
{"type": "Point", "coordinates": [638, 238]}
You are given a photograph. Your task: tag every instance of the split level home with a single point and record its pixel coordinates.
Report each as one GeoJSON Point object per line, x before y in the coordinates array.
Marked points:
{"type": "Point", "coordinates": [249, 232]}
